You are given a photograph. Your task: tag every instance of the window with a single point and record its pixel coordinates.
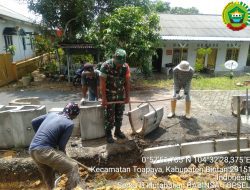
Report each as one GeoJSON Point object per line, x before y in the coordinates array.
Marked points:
{"type": "Point", "coordinates": [248, 57]}
{"type": "Point", "coordinates": [24, 44]}
{"type": "Point", "coordinates": [232, 54]}
{"type": "Point", "coordinates": [179, 55]}
{"type": "Point", "coordinates": [8, 41]}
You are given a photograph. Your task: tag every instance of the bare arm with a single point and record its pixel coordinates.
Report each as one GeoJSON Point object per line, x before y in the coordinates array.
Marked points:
{"type": "Point", "coordinates": [84, 91]}
{"type": "Point", "coordinates": [103, 90]}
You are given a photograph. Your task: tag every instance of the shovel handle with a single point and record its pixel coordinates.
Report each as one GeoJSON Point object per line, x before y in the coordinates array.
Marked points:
{"type": "Point", "coordinates": [137, 101]}
{"type": "Point", "coordinates": [82, 165]}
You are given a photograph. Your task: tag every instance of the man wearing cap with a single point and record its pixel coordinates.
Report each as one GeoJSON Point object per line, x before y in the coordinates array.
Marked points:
{"type": "Point", "coordinates": [114, 84]}
{"type": "Point", "coordinates": [47, 148]}
{"type": "Point", "coordinates": [183, 74]}
{"type": "Point", "coordinates": [90, 83]}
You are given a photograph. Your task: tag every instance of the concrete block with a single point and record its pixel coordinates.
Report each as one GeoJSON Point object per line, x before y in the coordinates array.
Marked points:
{"type": "Point", "coordinates": [244, 152]}
{"type": "Point", "coordinates": [136, 117]}
{"type": "Point", "coordinates": [210, 157]}
{"type": "Point", "coordinates": [152, 154]}
{"type": "Point", "coordinates": [76, 130]}
{"type": "Point", "coordinates": [15, 126]}
{"type": "Point", "coordinates": [198, 147]}
{"type": "Point", "coordinates": [152, 121]}
{"type": "Point", "coordinates": [21, 123]}
{"type": "Point", "coordinates": [245, 120]}
{"type": "Point", "coordinates": [25, 101]}
{"type": "Point", "coordinates": [229, 144]}
{"type": "Point", "coordinates": [142, 121]}
{"type": "Point", "coordinates": [173, 163]}
{"type": "Point", "coordinates": [91, 121]}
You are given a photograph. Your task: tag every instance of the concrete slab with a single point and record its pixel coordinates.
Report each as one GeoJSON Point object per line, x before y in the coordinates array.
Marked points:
{"type": "Point", "coordinates": [197, 147]}
{"type": "Point", "coordinates": [25, 101]}
{"type": "Point", "coordinates": [136, 117]}
{"type": "Point", "coordinates": [210, 157]}
{"type": "Point", "coordinates": [243, 152]}
{"type": "Point", "coordinates": [229, 144]}
{"type": "Point", "coordinates": [162, 152]}
{"type": "Point", "coordinates": [15, 126]}
{"type": "Point", "coordinates": [91, 119]}
{"type": "Point", "coordinates": [174, 162]}
{"type": "Point", "coordinates": [152, 121]}
{"type": "Point", "coordinates": [76, 130]}
{"type": "Point", "coordinates": [245, 120]}
{"type": "Point", "coordinates": [142, 121]}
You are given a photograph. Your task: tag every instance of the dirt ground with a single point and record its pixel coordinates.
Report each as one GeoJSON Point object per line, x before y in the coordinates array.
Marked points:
{"type": "Point", "coordinates": [212, 119]}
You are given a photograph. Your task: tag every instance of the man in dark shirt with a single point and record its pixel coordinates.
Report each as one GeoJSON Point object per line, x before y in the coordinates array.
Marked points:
{"type": "Point", "coordinates": [90, 83]}
{"type": "Point", "coordinates": [47, 148]}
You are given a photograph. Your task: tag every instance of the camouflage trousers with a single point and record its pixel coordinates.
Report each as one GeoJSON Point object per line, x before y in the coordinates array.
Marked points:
{"type": "Point", "coordinates": [113, 116]}
{"type": "Point", "coordinates": [48, 160]}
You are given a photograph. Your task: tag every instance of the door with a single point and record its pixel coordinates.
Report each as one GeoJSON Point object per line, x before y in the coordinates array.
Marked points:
{"type": "Point", "coordinates": [157, 60]}
{"type": "Point", "coordinates": [211, 60]}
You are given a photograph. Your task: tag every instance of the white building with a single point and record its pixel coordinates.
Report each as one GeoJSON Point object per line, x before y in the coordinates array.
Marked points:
{"type": "Point", "coordinates": [17, 30]}
{"type": "Point", "coordinates": [183, 35]}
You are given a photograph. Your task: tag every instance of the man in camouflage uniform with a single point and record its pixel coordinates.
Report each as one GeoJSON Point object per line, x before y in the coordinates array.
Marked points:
{"type": "Point", "coordinates": [114, 84]}
{"type": "Point", "coordinates": [183, 74]}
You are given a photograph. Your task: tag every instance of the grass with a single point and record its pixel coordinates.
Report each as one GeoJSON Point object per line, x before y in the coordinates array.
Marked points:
{"type": "Point", "coordinates": [201, 83]}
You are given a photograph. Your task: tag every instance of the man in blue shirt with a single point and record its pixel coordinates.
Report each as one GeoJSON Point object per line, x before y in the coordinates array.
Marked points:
{"type": "Point", "coordinates": [47, 148]}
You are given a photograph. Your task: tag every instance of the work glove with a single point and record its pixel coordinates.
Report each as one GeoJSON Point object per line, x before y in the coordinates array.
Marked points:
{"type": "Point", "coordinates": [82, 102]}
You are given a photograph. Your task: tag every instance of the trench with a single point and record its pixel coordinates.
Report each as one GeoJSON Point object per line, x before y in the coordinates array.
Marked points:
{"type": "Point", "coordinates": [18, 171]}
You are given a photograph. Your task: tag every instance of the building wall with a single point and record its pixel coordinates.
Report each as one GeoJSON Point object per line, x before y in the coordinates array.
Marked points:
{"type": "Point", "coordinates": [221, 53]}
{"type": "Point", "coordinates": [20, 53]}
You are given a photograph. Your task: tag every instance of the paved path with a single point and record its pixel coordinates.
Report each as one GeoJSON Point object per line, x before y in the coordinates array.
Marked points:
{"type": "Point", "coordinates": [211, 112]}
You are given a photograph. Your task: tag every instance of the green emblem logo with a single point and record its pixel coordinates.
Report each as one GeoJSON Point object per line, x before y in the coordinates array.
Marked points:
{"type": "Point", "coordinates": [236, 15]}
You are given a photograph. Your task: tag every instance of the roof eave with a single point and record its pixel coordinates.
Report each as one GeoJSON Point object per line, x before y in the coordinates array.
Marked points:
{"type": "Point", "coordinates": [195, 38]}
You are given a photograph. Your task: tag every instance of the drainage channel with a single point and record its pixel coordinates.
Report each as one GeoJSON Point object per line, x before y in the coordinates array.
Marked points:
{"type": "Point", "coordinates": [131, 169]}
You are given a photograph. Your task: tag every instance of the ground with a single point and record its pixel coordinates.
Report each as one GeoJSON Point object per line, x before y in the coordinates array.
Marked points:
{"type": "Point", "coordinates": [212, 119]}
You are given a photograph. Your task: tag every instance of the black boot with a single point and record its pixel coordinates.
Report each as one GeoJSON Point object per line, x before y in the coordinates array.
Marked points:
{"type": "Point", "coordinates": [109, 136]}
{"type": "Point", "coordinates": [119, 134]}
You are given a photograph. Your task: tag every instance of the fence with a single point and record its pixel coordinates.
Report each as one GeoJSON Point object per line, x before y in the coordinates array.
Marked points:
{"type": "Point", "coordinates": [6, 70]}
{"type": "Point", "coordinates": [14, 71]}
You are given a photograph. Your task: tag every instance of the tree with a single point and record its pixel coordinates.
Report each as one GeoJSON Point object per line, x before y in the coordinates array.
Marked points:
{"type": "Point", "coordinates": [73, 16]}
{"type": "Point", "coordinates": [161, 6]}
{"type": "Point", "coordinates": [135, 31]}
{"type": "Point", "coordinates": [183, 11]}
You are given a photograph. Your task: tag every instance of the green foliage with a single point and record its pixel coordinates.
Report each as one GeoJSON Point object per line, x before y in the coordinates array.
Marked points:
{"type": "Point", "coordinates": [201, 53]}
{"type": "Point", "coordinates": [73, 16]}
{"type": "Point", "coordinates": [11, 49]}
{"type": "Point", "coordinates": [43, 45]}
{"type": "Point", "coordinates": [161, 6]}
{"type": "Point", "coordinates": [51, 68]}
{"type": "Point", "coordinates": [60, 52]}
{"type": "Point", "coordinates": [184, 11]}
{"type": "Point", "coordinates": [84, 57]}
{"type": "Point", "coordinates": [199, 66]}
{"type": "Point", "coordinates": [132, 29]}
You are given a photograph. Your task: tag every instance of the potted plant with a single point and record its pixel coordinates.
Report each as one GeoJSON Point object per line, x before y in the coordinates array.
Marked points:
{"type": "Point", "coordinates": [11, 49]}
